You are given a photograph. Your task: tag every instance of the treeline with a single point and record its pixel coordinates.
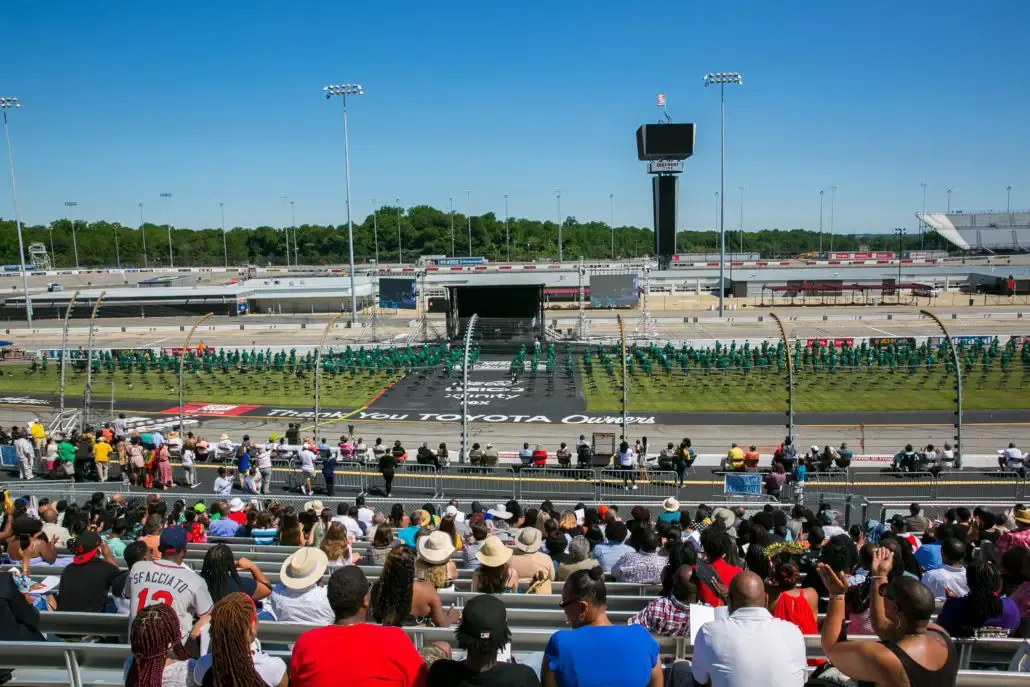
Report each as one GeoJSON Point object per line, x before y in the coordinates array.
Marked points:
{"type": "Point", "coordinates": [423, 231]}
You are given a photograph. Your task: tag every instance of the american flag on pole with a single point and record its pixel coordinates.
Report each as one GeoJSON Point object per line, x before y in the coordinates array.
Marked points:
{"type": "Point", "coordinates": [661, 100]}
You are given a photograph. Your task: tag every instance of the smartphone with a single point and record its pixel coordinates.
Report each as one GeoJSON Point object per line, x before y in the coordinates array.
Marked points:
{"type": "Point", "coordinates": [706, 573]}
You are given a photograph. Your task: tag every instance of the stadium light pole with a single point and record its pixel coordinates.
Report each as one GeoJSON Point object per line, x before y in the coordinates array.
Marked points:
{"type": "Point", "coordinates": [375, 228]}
{"type": "Point", "coordinates": [400, 253]}
{"type": "Point", "coordinates": [225, 241]}
{"type": "Point", "coordinates": [75, 243]}
{"type": "Point", "coordinates": [820, 222]}
{"type": "Point", "coordinates": [900, 233]}
{"type": "Point", "coordinates": [949, 197]}
{"type": "Point", "coordinates": [468, 203]}
{"type": "Point", "coordinates": [343, 90]}
{"type": "Point", "coordinates": [507, 233]}
{"type": "Point", "coordinates": [561, 254]}
{"type": "Point", "coordinates": [611, 220]}
{"type": "Point", "coordinates": [922, 223]}
{"type": "Point", "coordinates": [450, 202]}
{"type": "Point", "coordinates": [293, 226]}
{"type": "Point", "coordinates": [833, 193]}
{"type": "Point", "coordinates": [742, 188]}
{"type": "Point", "coordinates": [286, 233]}
{"type": "Point", "coordinates": [7, 103]}
{"type": "Point", "coordinates": [721, 79]}
{"type": "Point", "coordinates": [1008, 200]}
{"type": "Point", "coordinates": [168, 221]}
{"type": "Point", "coordinates": [117, 250]}
{"type": "Point", "coordinates": [143, 235]}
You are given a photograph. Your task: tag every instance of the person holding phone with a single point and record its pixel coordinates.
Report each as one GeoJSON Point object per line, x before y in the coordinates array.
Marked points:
{"type": "Point", "coordinates": [716, 544]}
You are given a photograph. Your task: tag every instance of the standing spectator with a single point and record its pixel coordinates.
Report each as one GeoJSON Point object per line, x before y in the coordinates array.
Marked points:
{"type": "Point", "coordinates": [223, 483]}
{"type": "Point", "coordinates": [687, 456]}
{"type": "Point", "coordinates": [121, 427]}
{"type": "Point", "coordinates": [950, 578]}
{"type": "Point", "coordinates": [264, 466]}
{"type": "Point", "coordinates": [136, 460]}
{"type": "Point", "coordinates": [169, 582]}
{"type": "Point", "coordinates": [37, 435]}
{"type": "Point", "coordinates": [750, 647]}
{"type": "Point", "coordinates": [86, 583]}
{"type": "Point", "coordinates": [25, 454]}
{"type": "Point", "coordinates": [982, 611]}
{"type": "Point", "coordinates": [614, 546]}
{"type": "Point", "coordinates": [164, 467]}
{"type": "Point", "coordinates": [328, 468]}
{"type": "Point", "coordinates": [916, 521]}
{"type": "Point", "coordinates": [483, 633]}
{"type": "Point", "coordinates": [154, 634]}
{"type": "Point", "coordinates": [625, 459]}
{"type": "Point", "coordinates": [232, 659]}
{"type": "Point", "coordinates": [307, 468]}
{"type": "Point", "coordinates": [300, 597]}
{"type": "Point", "coordinates": [716, 544]}
{"type": "Point", "coordinates": [907, 633]}
{"type": "Point", "coordinates": [786, 455]}
{"type": "Point", "coordinates": [373, 655]}
{"type": "Point", "coordinates": [597, 652]}
{"type": "Point", "coordinates": [50, 462]}
{"type": "Point", "coordinates": [645, 566]}
{"type": "Point", "coordinates": [188, 458]}
{"type": "Point", "coordinates": [387, 466]}
{"type": "Point", "coordinates": [669, 615]}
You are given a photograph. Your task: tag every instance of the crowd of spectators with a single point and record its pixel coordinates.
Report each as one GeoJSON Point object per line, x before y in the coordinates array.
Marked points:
{"type": "Point", "coordinates": [913, 581]}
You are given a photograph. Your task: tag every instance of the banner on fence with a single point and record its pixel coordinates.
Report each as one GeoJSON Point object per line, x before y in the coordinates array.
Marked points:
{"type": "Point", "coordinates": [750, 484]}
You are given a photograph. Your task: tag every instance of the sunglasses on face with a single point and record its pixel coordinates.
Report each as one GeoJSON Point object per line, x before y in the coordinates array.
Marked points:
{"type": "Point", "coordinates": [565, 604]}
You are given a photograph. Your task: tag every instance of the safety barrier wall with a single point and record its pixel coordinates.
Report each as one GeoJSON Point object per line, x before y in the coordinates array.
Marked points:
{"type": "Point", "coordinates": [549, 483]}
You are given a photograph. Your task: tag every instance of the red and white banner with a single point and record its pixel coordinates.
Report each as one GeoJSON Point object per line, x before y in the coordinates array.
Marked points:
{"type": "Point", "coordinates": [211, 409]}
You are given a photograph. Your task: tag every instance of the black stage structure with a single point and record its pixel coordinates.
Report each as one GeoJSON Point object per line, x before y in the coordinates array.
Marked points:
{"type": "Point", "coordinates": [509, 316]}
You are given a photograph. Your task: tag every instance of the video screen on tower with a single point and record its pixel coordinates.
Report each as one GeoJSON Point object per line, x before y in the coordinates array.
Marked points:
{"type": "Point", "coordinates": [397, 294]}
{"type": "Point", "coordinates": [613, 290]}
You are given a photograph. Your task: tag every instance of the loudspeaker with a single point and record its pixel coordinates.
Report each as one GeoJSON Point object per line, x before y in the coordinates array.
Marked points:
{"type": "Point", "coordinates": [665, 141]}
{"type": "Point", "coordinates": [664, 192]}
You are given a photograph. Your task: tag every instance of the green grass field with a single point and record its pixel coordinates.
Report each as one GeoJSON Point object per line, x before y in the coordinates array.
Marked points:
{"type": "Point", "coordinates": [341, 392]}
{"type": "Point", "coordinates": [858, 390]}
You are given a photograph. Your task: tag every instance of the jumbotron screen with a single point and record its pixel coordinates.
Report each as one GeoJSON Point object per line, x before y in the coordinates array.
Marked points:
{"type": "Point", "coordinates": [397, 294]}
{"type": "Point", "coordinates": [613, 290]}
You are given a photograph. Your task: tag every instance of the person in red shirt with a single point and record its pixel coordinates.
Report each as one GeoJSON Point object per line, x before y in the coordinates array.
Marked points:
{"type": "Point", "coordinates": [539, 457]}
{"type": "Point", "coordinates": [236, 513]}
{"type": "Point", "coordinates": [352, 651]}
{"type": "Point", "coordinates": [716, 543]}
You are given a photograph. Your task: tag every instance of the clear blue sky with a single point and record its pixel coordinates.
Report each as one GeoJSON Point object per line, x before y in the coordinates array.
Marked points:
{"type": "Point", "coordinates": [221, 101]}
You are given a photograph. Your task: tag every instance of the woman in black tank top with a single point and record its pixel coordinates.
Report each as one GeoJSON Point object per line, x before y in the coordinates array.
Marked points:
{"type": "Point", "coordinates": [912, 652]}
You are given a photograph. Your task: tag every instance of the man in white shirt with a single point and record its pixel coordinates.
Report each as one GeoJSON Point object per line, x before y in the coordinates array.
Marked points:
{"type": "Point", "coordinates": [264, 466]}
{"type": "Point", "coordinates": [121, 427]}
{"type": "Point", "coordinates": [349, 522]}
{"type": "Point", "coordinates": [223, 483]}
{"type": "Point", "coordinates": [951, 576]}
{"type": "Point", "coordinates": [1011, 457]}
{"type": "Point", "coordinates": [56, 533]}
{"type": "Point", "coordinates": [25, 453]}
{"type": "Point", "coordinates": [307, 468]}
{"type": "Point", "coordinates": [365, 514]}
{"type": "Point", "coordinates": [750, 647]}
{"type": "Point", "coordinates": [300, 597]}
{"type": "Point", "coordinates": [170, 582]}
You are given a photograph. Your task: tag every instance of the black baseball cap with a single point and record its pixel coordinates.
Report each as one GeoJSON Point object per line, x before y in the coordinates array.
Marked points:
{"type": "Point", "coordinates": [484, 618]}
{"type": "Point", "coordinates": [86, 542]}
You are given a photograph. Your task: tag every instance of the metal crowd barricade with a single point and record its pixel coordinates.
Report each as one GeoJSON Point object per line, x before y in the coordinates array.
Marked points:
{"type": "Point", "coordinates": [980, 486]}
{"type": "Point", "coordinates": [476, 480]}
{"type": "Point", "coordinates": [631, 483]}
{"type": "Point", "coordinates": [829, 482]}
{"type": "Point", "coordinates": [568, 483]}
{"type": "Point", "coordinates": [915, 486]}
{"type": "Point", "coordinates": [409, 479]}
{"type": "Point", "coordinates": [350, 478]}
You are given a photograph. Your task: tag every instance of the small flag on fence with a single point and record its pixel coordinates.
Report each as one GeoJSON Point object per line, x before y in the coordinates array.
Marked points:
{"type": "Point", "coordinates": [661, 100]}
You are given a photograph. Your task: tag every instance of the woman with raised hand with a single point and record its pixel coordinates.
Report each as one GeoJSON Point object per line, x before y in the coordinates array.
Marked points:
{"type": "Point", "coordinates": [221, 571]}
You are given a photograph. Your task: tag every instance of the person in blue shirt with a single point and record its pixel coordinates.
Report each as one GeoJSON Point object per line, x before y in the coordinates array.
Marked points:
{"type": "Point", "coordinates": [223, 526]}
{"type": "Point", "coordinates": [597, 652]}
{"type": "Point", "coordinates": [671, 514]}
{"type": "Point", "coordinates": [613, 547]}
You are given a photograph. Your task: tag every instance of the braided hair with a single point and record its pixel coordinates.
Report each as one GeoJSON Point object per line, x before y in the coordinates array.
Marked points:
{"type": "Point", "coordinates": [231, 621]}
{"type": "Point", "coordinates": [982, 601]}
{"type": "Point", "coordinates": [391, 595]}
{"type": "Point", "coordinates": [154, 631]}
{"type": "Point", "coordinates": [219, 566]}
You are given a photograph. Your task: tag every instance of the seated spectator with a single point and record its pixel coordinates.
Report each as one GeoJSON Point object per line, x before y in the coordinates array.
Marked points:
{"type": "Point", "coordinates": [670, 511]}
{"type": "Point", "coordinates": [300, 597]}
{"type": "Point", "coordinates": [225, 525]}
{"type": "Point", "coordinates": [233, 658]}
{"type": "Point", "coordinates": [563, 456]}
{"type": "Point", "coordinates": [434, 564]}
{"type": "Point", "coordinates": [1020, 537]}
{"type": "Point", "coordinates": [86, 583]}
{"type": "Point", "coordinates": [752, 458]}
{"type": "Point", "coordinates": [490, 456]}
{"type": "Point", "coordinates": [222, 574]}
{"type": "Point", "coordinates": [525, 456]}
{"type": "Point", "coordinates": [494, 575]}
{"type": "Point", "coordinates": [528, 561]}
{"type": "Point", "coordinates": [265, 530]}
{"type": "Point", "coordinates": [135, 552]}
{"type": "Point", "coordinates": [398, 599]}
{"type": "Point", "coordinates": [29, 544]}
{"type": "Point", "coordinates": [483, 633]}
{"type": "Point", "coordinates": [787, 601]}
{"type": "Point", "coordinates": [912, 651]}
{"type": "Point", "coordinates": [916, 521]}
{"type": "Point", "coordinates": [337, 546]}
{"type": "Point", "coordinates": [19, 619]}
{"type": "Point", "coordinates": [644, 566]}
{"type": "Point", "coordinates": [982, 612]}
{"type": "Point", "coordinates": [236, 511]}
{"type": "Point", "coordinates": [114, 540]}
{"type": "Point", "coordinates": [539, 457]}
{"type": "Point", "coordinates": [56, 533]}
{"type": "Point", "coordinates": [750, 647]}
{"type": "Point", "coordinates": [949, 579]}
{"type": "Point", "coordinates": [153, 636]}
{"type": "Point", "coordinates": [669, 615]}
{"type": "Point", "coordinates": [614, 546]}
{"type": "Point", "coordinates": [597, 652]}
{"type": "Point", "coordinates": [382, 544]}
{"type": "Point", "coordinates": [578, 558]}
{"type": "Point", "coordinates": [716, 544]}
{"type": "Point", "coordinates": [371, 655]}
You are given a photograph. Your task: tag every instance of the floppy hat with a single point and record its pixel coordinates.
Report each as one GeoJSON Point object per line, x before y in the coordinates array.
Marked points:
{"type": "Point", "coordinates": [529, 540]}
{"type": "Point", "coordinates": [223, 437]}
{"type": "Point", "coordinates": [671, 505]}
{"type": "Point", "coordinates": [492, 553]}
{"type": "Point", "coordinates": [725, 515]}
{"type": "Point", "coordinates": [499, 513]}
{"type": "Point", "coordinates": [236, 505]}
{"type": "Point", "coordinates": [450, 510]}
{"type": "Point", "coordinates": [1022, 515]}
{"type": "Point", "coordinates": [303, 568]}
{"type": "Point", "coordinates": [314, 506]}
{"type": "Point", "coordinates": [436, 548]}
